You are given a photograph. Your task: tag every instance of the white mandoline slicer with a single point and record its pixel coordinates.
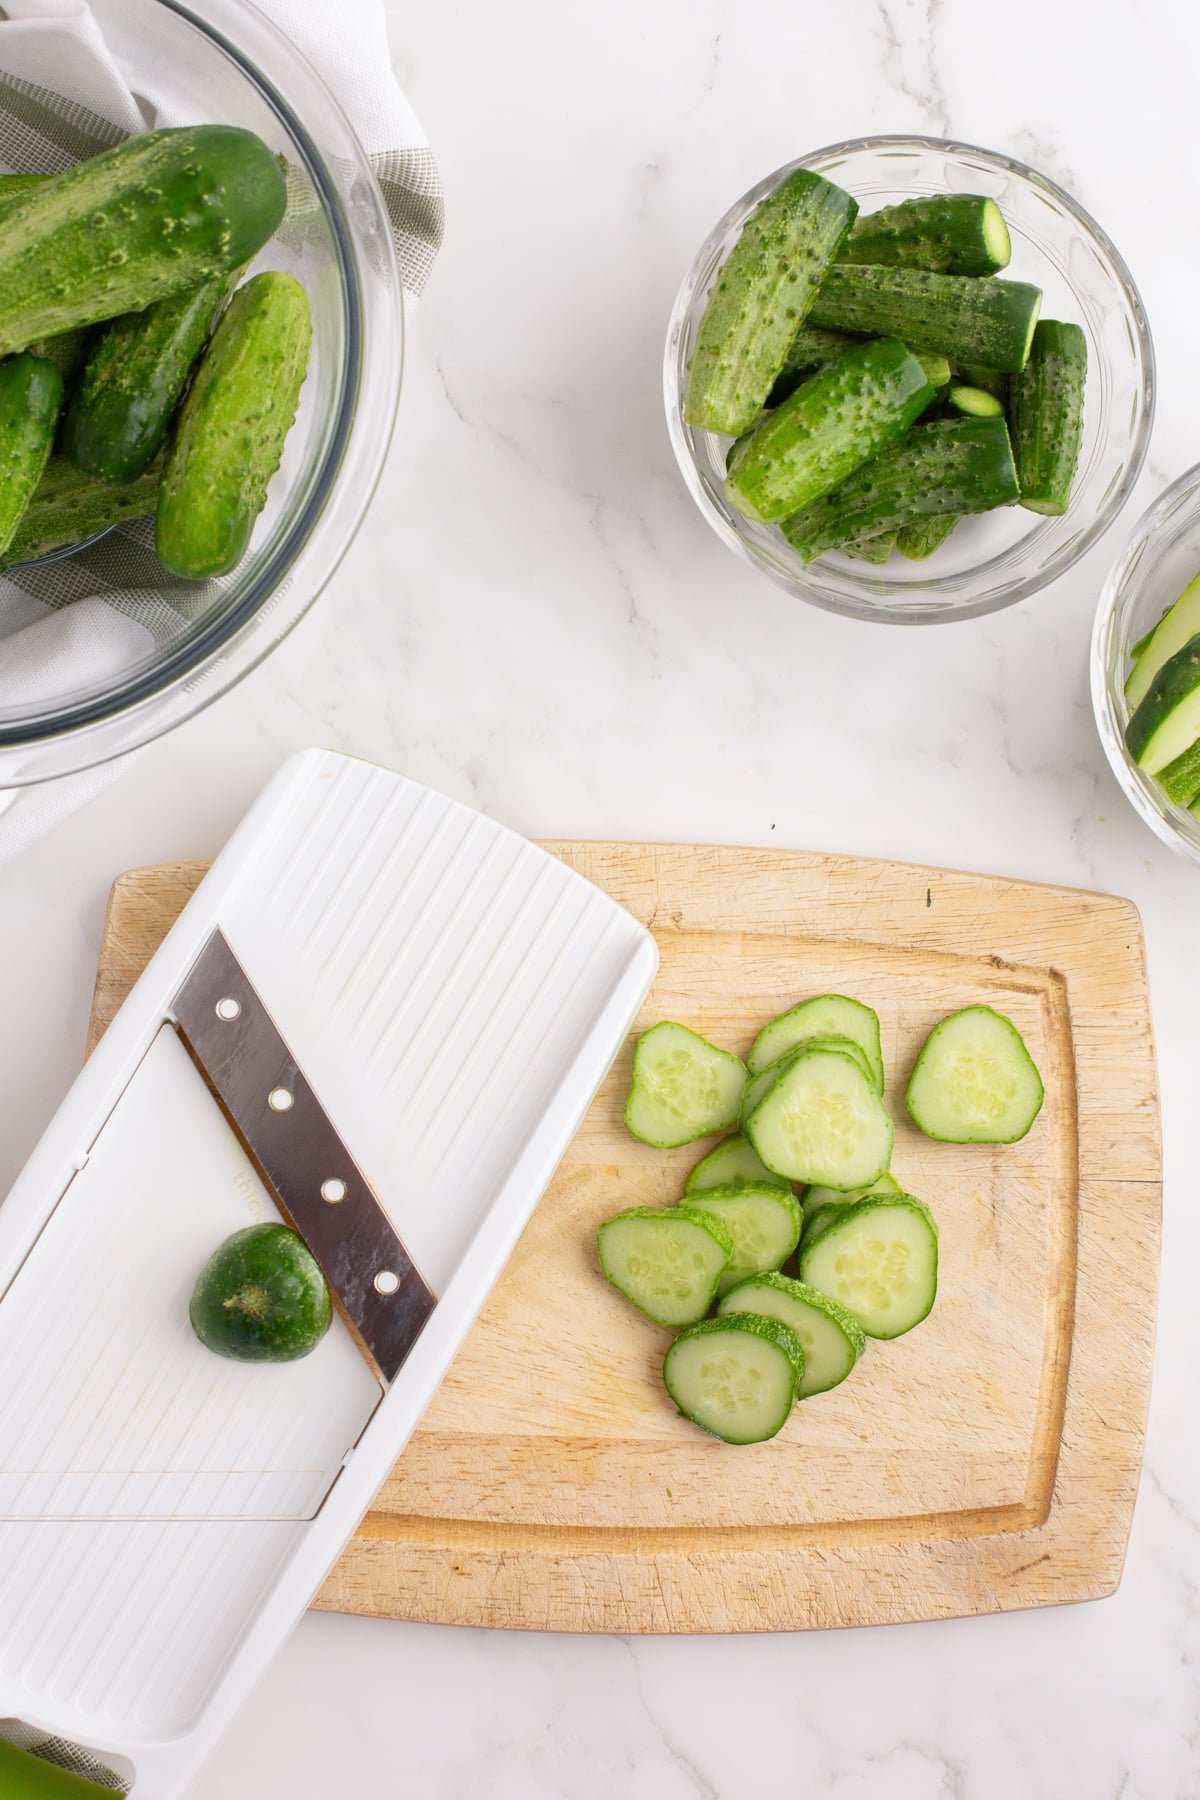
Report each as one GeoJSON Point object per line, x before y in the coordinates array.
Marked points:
{"type": "Point", "coordinates": [382, 1016]}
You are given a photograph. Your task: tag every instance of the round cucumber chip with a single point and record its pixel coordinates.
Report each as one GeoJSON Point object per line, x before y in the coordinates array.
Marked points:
{"type": "Point", "coordinates": [832, 1338]}
{"type": "Point", "coordinates": [974, 1081]}
{"type": "Point", "coordinates": [735, 1377]}
{"type": "Point", "coordinates": [666, 1261]}
{"type": "Point", "coordinates": [824, 1016]}
{"type": "Point", "coordinates": [823, 1121]}
{"type": "Point", "coordinates": [734, 1159]}
{"type": "Point", "coordinates": [683, 1087]}
{"type": "Point", "coordinates": [878, 1259]}
{"type": "Point", "coordinates": [762, 1219]}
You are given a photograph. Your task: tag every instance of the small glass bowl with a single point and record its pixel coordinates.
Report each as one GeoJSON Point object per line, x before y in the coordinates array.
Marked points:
{"type": "Point", "coordinates": [1000, 557]}
{"type": "Point", "coordinates": [1161, 558]}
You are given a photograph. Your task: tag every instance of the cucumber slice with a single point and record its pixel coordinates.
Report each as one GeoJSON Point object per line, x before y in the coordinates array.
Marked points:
{"type": "Point", "coordinates": [832, 1338]}
{"type": "Point", "coordinates": [1167, 722]}
{"type": "Point", "coordinates": [975, 403]}
{"type": "Point", "coordinates": [762, 292]}
{"type": "Point", "coordinates": [878, 1259]}
{"type": "Point", "coordinates": [824, 1016]}
{"type": "Point", "coordinates": [946, 466]}
{"type": "Point", "coordinates": [1180, 780]}
{"type": "Point", "coordinates": [816, 1221]}
{"type": "Point", "coordinates": [817, 1197]}
{"type": "Point", "coordinates": [823, 1121]}
{"type": "Point", "coordinates": [837, 419]}
{"type": "Point", "coordinates": [683, 1087]}
{"type": "Point", "coordinates": [759, 1085]}
{"type": "Point", "coordinates": [924, 536]}
{"type": "Point", "coordinates": [950, 234]}
{"type": "Point", "coordinates": [1178, 625]}
{"type": "Point", "coordinates": [735, 1377]}
{"type": "Point", "coordinates": [936, 367]}
{"type": "Point", "coordinates": [974, 1081]}
{"type": "Point", "coordinates": [1045, 410]}
{"type": "Point", "coordinates": [666, 1260]}
{"type": "Point", "coordinates": [761, 1217]}
{"type": "Point", "coordinates": [734, 1159]}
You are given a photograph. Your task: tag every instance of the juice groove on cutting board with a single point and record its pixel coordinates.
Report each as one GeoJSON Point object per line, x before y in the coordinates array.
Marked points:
{"type": "Point", "coordinates": [990, 1460]}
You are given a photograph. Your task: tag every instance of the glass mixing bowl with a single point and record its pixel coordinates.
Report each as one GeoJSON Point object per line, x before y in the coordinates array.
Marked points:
{"type": "Point", "coordinates": [224, 64]}
{"type": "Point", "coordinates": [1160, 560]}
{"type": "Point", "coordinates": [1000, 557]}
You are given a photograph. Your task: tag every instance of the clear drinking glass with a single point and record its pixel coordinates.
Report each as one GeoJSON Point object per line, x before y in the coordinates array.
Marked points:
{"type": "Point", "coordinates": [1000, 557]}
{"type": "Point", "coordinates": [1160, 560]}
{"type": "Point", "coordinates": [228, 64]}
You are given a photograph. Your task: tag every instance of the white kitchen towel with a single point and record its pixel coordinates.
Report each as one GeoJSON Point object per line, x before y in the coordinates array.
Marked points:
{"type": "Point", "coordinates": [63, 97]}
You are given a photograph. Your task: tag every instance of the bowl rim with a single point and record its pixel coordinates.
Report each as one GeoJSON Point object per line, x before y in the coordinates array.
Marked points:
{"type": "Point", "coordinates": [797, 585]}
{"type": "Point", "coordinates": [1143, 793]}
{"type": "Point", "coordinates": [71, 730]}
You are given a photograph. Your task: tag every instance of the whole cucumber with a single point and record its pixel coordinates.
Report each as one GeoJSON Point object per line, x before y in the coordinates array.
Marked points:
{"type": "Point", "coordinates": [231, 430]}
{"type": "Point", "coordinates": [68, 508]}
{"type": "Point", "coordinates": [131, 384]}
{"type": "Point", "coordinates": [66, 351]}
{"type": "Point", "coordinates": [31, 392]}
{"type": "Point", "coordinates": [160, 213]}
{"type": "Point", "coordinates": [970, 321]}
{"type": "Point", "coordinates": [759, 300]}
{"type": "Point", "coordinates": [1045, 409]}
{"type": "Point", "coordinates": [835, 421]}
{"type": "Point", "coordinates": [947, 466]}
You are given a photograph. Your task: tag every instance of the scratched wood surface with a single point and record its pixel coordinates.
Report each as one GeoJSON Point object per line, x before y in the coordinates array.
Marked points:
{"type": "Point", "coordinates": [988, 1460]}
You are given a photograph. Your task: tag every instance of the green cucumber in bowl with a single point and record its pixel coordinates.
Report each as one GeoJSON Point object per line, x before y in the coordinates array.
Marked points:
{"type": "Point", "coordinates": [69, 508]}
{"type": "Point", "coordinates": [832, 1338]}
{"type": "Point", "coordinates": [808, 351]}
{"type": "Point", "coordinates": [1167, 719]}
{"type": "Point", "coordinates": [822, 1016]}
{"type": "Point", "coordinates": [986, 322]}
{"type": "Point", "coordinates": [1177, 626]}
{"type": "Point", "coordinates": [159, 213]}
{"type": "Point", "coordinates": [666, 1261]}
{"type": "Point", "coordinates": [31, 392]}
{"type": "Point", "coordinates": [761, 295]}
{"type": "Point", "coordinates": [132, 381]}
{"type": "Point", "coordinates": [682, 1087]}
{"type": "Point", "coordinates": [877, 549]}
{"type": "Point", "coordinates": [763, 1220]}
{"type": "Point", "coordinates": [922, 537]}
{"type": "Point", "coordinates": [1180, 780]}
{"type": "Point", "coordinates": [974, 1081]}
{"type": "Point", "coordinates": [823, 1120]}
{"type": "Point", "coordinates": [949, 234]}
{"type": "Point", "coordinates": [992, 381]}
{"type": "Point", "coordinates": [1045, 410]}
{"type": "Point", "coordinates": [878, 1259]}
{"type": "Point", "coordinates": [736, 1377]}
{"type": "Point", "coordinates": [946, 466]}
{"type": "Point", "coordinates": [836, 420]}
{"type": "Point", "coordinates": [733, 1159]}
{"type": "Point", "coordinates": [230, 431]}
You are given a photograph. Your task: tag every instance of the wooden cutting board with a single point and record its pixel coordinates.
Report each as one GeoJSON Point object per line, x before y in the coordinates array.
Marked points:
{"type": "Point", "coordinates": [988, 1460]}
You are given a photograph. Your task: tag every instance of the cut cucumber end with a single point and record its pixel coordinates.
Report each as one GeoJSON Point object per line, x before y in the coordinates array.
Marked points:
{"type": "Point", "coordinates": [996, 240]}
{"type": "Point", "coordinates": [735, 1377]}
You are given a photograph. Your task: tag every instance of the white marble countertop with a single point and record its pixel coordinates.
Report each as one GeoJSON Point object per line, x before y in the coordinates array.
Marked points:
{"type": "Point", "coordinates": [535, 618]}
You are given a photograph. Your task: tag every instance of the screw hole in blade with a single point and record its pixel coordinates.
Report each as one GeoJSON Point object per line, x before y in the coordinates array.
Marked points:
{"type": "Point", "coordinates": [386, 1282]}
{"type": "Point", "coordinates": [280, 1099]}
{"type": "Point", "coordinates": [333, 1190]}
